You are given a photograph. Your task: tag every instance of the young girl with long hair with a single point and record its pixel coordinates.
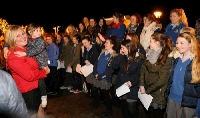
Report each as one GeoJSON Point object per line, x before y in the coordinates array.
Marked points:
{"type": "Point", "coordinates": [183, 89]}
{"type": "Point", "coordinates": [103, 71]}
{"type": "Point", "coordinates": [130, 60]}
{"type": "Point", "coordinates": [155, 73]}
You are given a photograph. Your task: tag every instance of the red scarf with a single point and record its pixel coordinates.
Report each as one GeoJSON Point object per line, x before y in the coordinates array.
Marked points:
{"type": "Point", "coordinates": [117, 25]}
{"type": "Point", "coordinates": [32, 38]}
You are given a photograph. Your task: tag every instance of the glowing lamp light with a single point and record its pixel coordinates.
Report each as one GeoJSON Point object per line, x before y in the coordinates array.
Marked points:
{"type": "Point", "coordinates": [157, 14]}
{"type": "Point", "coordinates": [42, 30]}
{"type": "Point", "coordinates": [56, 29]}
{"type": "Point", "coordinates": [109, 20]}
{"type": "Point", "coordinates": [3, 25]}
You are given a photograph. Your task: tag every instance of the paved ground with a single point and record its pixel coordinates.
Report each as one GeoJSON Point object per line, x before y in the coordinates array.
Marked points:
{"type": "Point", "coordinates": [70, 105]}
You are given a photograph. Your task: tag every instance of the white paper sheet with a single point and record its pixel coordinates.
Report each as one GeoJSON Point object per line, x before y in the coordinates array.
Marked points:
{"type": "Point", "coordinates": [146, 99]}
{"type": "Point", "coordinates": [69, 70]}
{"type": "Point", "coordinates": [123, 89]}
{"type": "Point", "coordinates": [86, 70]}
{"type": "Point", "coordinates": [62, 65]}
{"type": "Point", "coordinates": [58, 67]}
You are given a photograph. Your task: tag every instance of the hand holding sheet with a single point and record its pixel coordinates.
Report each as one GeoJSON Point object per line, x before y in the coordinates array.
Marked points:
{"type": "Point", "coordinates": [86, 70]}
{"type": "Point", "coordinates": [145, 99]}
{"type": "Point", "coordinates": [122, 90]}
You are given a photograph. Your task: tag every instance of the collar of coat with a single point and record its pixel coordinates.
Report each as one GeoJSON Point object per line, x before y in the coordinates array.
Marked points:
{"type": "Point", "coordinates": [114, 54]}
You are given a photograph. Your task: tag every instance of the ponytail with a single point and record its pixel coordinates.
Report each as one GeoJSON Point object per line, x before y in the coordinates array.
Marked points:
{"type": "Point", "coordinates": [166, 43]}
{"type": "Point", "coordinates": [184, 18]}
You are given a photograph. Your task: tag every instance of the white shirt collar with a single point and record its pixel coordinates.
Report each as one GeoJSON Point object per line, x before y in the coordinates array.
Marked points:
{"type": "Point", "coordinates": [174, 25]}
{"type": "Point", "coordinates": [106, 52]}
{"type": "Point", "coordinates": [88, 49]}
{"type": "Point", "coordinates": [191, 56]}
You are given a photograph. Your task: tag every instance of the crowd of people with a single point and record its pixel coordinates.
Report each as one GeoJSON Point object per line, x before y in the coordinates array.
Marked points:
{"type": "Point", "coordinates": [147, 58]}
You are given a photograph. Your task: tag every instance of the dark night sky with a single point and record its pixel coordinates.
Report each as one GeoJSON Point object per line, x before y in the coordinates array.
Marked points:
{"type": "Point", "coordinates": [63, 13]}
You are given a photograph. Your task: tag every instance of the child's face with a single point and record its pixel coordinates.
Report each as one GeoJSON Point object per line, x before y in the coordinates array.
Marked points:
{"type": "Point", "coordinates": [36, 33]}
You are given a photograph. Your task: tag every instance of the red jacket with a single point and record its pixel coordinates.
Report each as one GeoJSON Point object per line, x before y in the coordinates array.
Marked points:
{"type": "Point", "coordinates": [24, 70]}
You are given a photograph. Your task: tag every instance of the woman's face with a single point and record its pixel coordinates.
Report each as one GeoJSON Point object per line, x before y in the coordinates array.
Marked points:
{"type": "Point", "coordinates": [101, 22]}
{"type": "Point", "coordinates": [21, 39]}
{"type": "Point", "coordinates": [124, 50]}
{"type": "Point", "coordinates": [153, 44]}
{"type": "Point", "coordinates": [70, 29]}
{"type": "Point", "coordinates": [182, 45]}
{"type": "Point", "coordinates": [81, 27]}
{"type": "Point", "coordinates": [58, 37]}
{"type": "Point", "coordinates": [85, 20]}
{"type": "Point", "coordinates": [108, 45]}
{"type": "Point", "coordinates": [92, 22]}
{"type": "Point", "coordinates": [133, 20]}
{"type": "Point", "coordinates": [174, 18]}
{"type": "Point", "coordinates": [74, 40]}
{"type": "Point", "coordinates": [146, 21]}
{"type": "Point", "coordinates": [86, 43]}
{"type": "Point", "coordinates": [66, 40]}
{"type": "Point", "coordinates": [97, 40]}
{"type": "Point", "coordinates": [115, 19]}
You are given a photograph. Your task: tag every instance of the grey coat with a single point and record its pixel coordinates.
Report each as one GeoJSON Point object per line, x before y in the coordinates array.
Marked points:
{"type": "Point", "coordinates": [37, 48]}
{"type": "Point", "coordinates": [12, 104]}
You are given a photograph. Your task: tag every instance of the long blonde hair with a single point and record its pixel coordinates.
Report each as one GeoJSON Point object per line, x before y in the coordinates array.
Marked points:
{"type": "Point", "coordinates": [11, 34]}
{"type": "Point", "coordinates": [73, 29]}
{"type": "Point", "coordinates": [188, 29]}
{"type": "Point", "coordinates": [180, 12]}
{"type": "Point", "coordinates": [195, 51]}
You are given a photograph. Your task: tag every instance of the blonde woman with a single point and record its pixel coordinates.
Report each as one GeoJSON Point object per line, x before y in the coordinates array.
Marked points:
{"type": "Point", "coordinates": [25, 70]}
{"type": "Point", "coordinates": [178, 21]}
{"type": "Point", "coordinates": [175, 53]}
{"type": "Point", "coordinates": [71, 31]}
{"type": "Point", "coordinates": [183, 88]}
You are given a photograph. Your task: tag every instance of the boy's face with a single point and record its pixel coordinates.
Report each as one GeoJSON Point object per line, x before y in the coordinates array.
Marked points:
{"type": "Point", "coordinates": [36, 33]}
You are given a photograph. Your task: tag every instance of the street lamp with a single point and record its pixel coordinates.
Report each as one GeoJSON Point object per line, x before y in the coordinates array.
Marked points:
{"type": "Point", "coordinates": [56, 29]}
{"type": "Point", "coordinates": [157, 14]}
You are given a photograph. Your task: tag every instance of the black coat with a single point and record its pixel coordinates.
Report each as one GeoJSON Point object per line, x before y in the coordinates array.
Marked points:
{"type": "Point", "coordinates": [132, 75]}
{"type": "Point", "coordinates": [93, 55]}
{"type": "Point", "coordinates": [191, 92]}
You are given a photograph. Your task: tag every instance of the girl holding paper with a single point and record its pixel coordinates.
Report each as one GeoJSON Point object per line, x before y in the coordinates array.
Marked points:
{"type": "Point", "coordinates": [130, 60]}
{"type": "Point", "coordinates": [103, 71]}
{"type": "Point", "coordinates": [155, 73]}
{"type": "Point", "coordinates": [90, 55]}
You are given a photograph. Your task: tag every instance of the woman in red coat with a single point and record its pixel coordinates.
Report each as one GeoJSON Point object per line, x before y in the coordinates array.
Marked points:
{"type": "Point", "coordinates": [24, 70]}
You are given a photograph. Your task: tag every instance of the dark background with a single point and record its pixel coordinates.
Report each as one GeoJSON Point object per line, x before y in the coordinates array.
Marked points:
{"type": "Point", "coordinates": [53, 13]}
